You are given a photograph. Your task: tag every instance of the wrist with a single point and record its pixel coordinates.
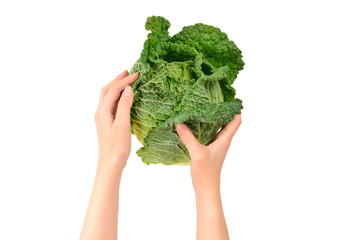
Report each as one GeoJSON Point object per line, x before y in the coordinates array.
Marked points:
{"type": "Point", "coordinates": [108, 177]}
{"type": "Point", "coordinates": [110, 167]}
{"type": "Point", "coordinates": [111, 163]}
{"type": "Point", "coordinates": [202, 186]}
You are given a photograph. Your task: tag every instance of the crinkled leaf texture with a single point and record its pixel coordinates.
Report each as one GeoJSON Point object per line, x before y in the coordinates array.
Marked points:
{"type": "Point", "coordinates": [185, 78]}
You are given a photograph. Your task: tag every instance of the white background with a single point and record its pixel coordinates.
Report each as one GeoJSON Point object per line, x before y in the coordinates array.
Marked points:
{"type": "Point", "coordinates": [292, 171]}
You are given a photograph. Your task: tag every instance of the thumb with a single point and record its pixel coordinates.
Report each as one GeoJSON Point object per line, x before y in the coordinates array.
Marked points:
{"type": "Point", "coordinates": [187, 137]}
{"type": "Point", "coordinates": [124, 106]}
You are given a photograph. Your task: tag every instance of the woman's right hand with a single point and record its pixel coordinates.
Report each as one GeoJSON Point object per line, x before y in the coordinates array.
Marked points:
{"type": "Point", "coordinates": [207, 161]}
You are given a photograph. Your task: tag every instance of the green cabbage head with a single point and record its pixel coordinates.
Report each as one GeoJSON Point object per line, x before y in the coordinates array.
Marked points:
{"type": "Point", "coordinates": [184, 78]}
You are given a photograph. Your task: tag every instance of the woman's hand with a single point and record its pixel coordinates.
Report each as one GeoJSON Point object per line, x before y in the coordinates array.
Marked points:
{"type": "Point", "coordinates": [113, 127]}
{"type": "Point", "coordinates": [206, 164]}
{"type": "Point", "coordinates": [207, 161]}
{"type": "Point", "coordinates": [113, 121]}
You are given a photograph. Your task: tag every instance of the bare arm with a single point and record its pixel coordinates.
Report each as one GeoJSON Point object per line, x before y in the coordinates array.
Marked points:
{"type": "Point", "coordinates": [210, 217]}
{"type": "Point", "coordinates": [206, 164]}
{"type": "Point", "coordinates": [102, 214]}
{"type": "Point", "coordinates": [113, 127]}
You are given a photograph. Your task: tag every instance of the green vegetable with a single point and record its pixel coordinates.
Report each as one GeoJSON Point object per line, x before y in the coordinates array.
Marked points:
{"type": "Point", "coordinates": [184, 78]}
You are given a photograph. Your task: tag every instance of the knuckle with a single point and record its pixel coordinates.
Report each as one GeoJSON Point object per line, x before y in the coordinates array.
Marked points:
{"type": "Point", "coordinates": [122, 154]}
{"type": "Point", "coordinates": [186, 137]}
{"type": "Point", "coordinates": [199, 162]}
{"type": "Point", "coordinates": [119, 85]}
{"type": "Point", "coordinates": [97, 115]}
{"type": "Point", "coordinates": [101, 115]}
{"type": "Point", "coordinates": [201, 156]}
{"type": "Point", "coordinates": [227, 142]}
{"type": "Point", "coordinates": [114, 88]}
{"type": "Point", "coordinates": [119, 124]}
{"type": "Point", "coordinates": [103, 90]}
{"type": "Point", "coordinates": [234, 132]}
{"type": "Point", "coordinates": [124, 105]}
{"type": "Point", "coordinates": [125, 99]}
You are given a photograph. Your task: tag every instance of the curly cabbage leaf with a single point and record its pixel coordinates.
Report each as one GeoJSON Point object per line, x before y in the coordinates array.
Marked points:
{"type": "Point", "coordinates": [184, 78]}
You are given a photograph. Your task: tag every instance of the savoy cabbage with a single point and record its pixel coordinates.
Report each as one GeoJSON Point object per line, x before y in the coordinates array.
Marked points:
{"type": "Point", "coordinates": [184, 78]}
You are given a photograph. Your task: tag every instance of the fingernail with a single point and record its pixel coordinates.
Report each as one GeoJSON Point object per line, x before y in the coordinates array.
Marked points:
{"type": "Point", "coordinates": [127, 91]}
{"type": "Point", "coordinates": [179, 127]}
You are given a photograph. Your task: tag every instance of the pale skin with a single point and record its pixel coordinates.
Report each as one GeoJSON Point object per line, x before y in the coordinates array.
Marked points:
{"type": "Point", "coordinates": [113, 128]}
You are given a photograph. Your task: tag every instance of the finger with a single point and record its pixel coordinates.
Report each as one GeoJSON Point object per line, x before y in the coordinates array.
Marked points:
{"type": "Point", "coordinates": [106, 88]}
{"type": "Point", "coordinates": [123, 110]}
{"type": "Point", "coordinates": [230, 129]}
{"type": "Point", "coordinates": [113, 94]}
{"type": "Point", "coordinates": [187, 137]}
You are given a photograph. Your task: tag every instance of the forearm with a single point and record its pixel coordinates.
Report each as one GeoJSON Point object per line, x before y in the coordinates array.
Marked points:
{"type": "Point", "coordinates": [102, 214]}
{"type": "Point", "coordinates": [210, 217]}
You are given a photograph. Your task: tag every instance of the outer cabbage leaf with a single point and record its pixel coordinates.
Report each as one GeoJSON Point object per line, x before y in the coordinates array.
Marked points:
{"type": "Point", "coordinates": [163, 145]}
